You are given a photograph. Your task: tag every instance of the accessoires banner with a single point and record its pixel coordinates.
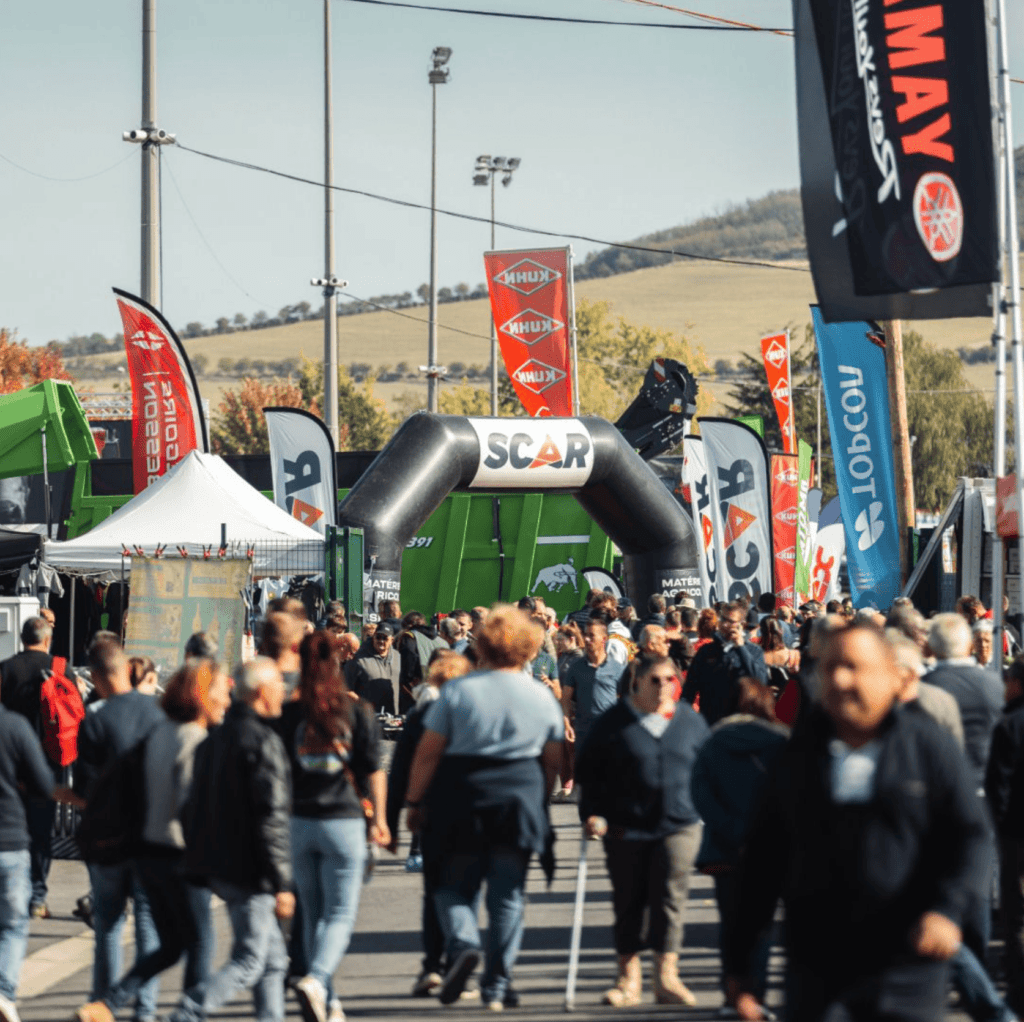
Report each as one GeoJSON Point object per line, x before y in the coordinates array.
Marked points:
{"type": "Point", "coordinates": [740, 507]}
{"type": "Point", "coordinates": [531, 301]}
{"type": "Point", "coordinates": [829, 546]}
{"type": "Point", "coordinates": [896, 157]}
{"type": "Point", "coordinates": [302, 466]}
{"type": "Point", "coordinates": [785, 487]}
{"type": "Point", "coordinates": [695, 482]}
{"type": "Point", "coordinates": [775, 352]}
{"type": "Point", "coordinates": [856, 397]}
{"type": "Point", "coordinates": [167, 414]}
{"type": "Point", "coordinates": [802, 574]}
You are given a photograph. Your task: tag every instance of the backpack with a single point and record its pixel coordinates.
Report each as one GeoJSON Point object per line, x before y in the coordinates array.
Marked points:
{"type": "Point", "coordinates": [631, 647]}
{"type": "Point", "coordinates": [61, 714]}
{"type": "Point", "coordinates": [111, 827]}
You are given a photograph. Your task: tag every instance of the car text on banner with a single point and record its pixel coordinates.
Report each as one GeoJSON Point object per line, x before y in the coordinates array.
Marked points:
{"type": "Point", "coordinates": [302, 466]}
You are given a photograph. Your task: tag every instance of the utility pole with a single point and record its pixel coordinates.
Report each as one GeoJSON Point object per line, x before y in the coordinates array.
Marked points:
{"type": "Point", "coordinates": [151, 138]}
{"type": "Point", "coordinates": [329, 282]}
{"type": "Point", "coordinates": [895, 374]}
{"type": "Point", "coordinates": [437, 75]}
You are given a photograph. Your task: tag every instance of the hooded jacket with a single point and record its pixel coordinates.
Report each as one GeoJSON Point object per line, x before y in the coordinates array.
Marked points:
{"type": "Point", "coordinates": [728, 779]}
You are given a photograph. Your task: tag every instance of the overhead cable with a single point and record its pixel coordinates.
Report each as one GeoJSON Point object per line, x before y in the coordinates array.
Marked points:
{"type": "Point", "coordinates": [715, 27]}
{"type": "Point", "coordinates": [764, 264]}
{"type": "Point", "coordinates": [84, 177]}
{"type": "Point", "coordinates": [746, 26]}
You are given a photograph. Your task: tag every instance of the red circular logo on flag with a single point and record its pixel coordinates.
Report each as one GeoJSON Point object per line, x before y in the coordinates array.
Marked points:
{"type": "Point", "coordinates": [939, 216]}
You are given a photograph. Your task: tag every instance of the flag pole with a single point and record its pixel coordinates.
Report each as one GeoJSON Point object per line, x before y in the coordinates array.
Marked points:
{"type": "Point", "coordinates": [902, 468]}
{"type": "Point", "coordinates": [572, 328]}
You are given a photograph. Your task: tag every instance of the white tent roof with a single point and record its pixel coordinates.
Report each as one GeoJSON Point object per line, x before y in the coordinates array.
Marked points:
{"type": "Point", "coordinates": [185, 508]}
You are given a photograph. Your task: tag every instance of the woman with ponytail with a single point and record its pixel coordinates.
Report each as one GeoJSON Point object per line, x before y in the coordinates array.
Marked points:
{"type": "Point", "coordinates": [338, 800]}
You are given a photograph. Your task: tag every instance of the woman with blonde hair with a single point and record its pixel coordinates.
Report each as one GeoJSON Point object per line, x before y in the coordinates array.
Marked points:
{"type": "Point", "coordinates": [491, 746]}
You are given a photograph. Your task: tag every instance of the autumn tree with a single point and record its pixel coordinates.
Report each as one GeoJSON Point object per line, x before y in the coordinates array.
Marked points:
{"type": "Point", "coordinates": [22, 366]}
{"type": "Point", "coordinates": [239, 426]}
{"type": "Point", "coordinates": [363, 418]}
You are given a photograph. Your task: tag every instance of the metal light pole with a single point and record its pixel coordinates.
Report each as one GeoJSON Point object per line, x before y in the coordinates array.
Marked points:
{"type": "Point", "coordinates": [150, 137]}
{"type": "Point", "coordinates": [437, 75]}
{"type": "Point", "coordinates": [484, 172]}
{"type": "Point", "coordinates": [329, 282]}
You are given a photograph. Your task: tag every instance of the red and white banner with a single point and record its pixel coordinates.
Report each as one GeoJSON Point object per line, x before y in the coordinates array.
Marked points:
{"type": "Point", "coordinates": [695, 491]}
{"type": "Point", "coordinates": [1007, 510]}
{"type": "Point", "coordinates": [531, 301]}
{"type": "Point", "coordinates": [775, 351]}
{"type": "Point", "coordinates": [167, 416]}
{"type": "Point", "coordinates": [829, 547]}
{"type": "Point", "coordinates": [785, 512]}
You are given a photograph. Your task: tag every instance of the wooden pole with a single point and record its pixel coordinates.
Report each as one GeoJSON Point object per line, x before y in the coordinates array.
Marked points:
{"type": "Point", "coordinates": [902, 469]}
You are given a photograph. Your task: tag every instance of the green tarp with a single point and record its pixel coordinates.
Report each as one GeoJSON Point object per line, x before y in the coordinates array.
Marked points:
{"type": "Point", "coordinates": [54, 405]}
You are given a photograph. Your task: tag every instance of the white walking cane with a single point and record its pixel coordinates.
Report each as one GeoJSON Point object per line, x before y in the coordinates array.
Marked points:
{"type": "Point", "coordinates": [577, 926]}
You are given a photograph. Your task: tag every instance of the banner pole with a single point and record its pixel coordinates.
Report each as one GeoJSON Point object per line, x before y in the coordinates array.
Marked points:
{"type": "Point", "coordinates": [1012, 293]}
{"type": "Point", "coordinates": [902, 468]}
{"type": "Point", "coordinates": [789, 440]}
{"type": "Point", "coordinates": [575, 352]}
{"type": "Point", "coordinates": [999, 343]}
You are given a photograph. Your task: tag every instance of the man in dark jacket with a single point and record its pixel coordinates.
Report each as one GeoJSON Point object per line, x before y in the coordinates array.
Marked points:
{"type": "Point", "coordinates": [113, 726]}
{"type": "Point", "coordinates": [1004, 789]}
{"type": "Point", "coordinates": [872, 834]}
{"type": "Point", "coordinates": [22, 678]}
{"type": "Point", "coordinates": [237, 837]}
{"type": "Point", "coordinates": [717, 668]}
{"type": "Point", "coordinates": [376, 674]}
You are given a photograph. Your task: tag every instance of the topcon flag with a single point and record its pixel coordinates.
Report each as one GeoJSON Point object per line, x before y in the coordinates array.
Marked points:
{"type": "Point", "coordinates": [856, 396]}
{"type": "Point", "coordinates": [302, 466]}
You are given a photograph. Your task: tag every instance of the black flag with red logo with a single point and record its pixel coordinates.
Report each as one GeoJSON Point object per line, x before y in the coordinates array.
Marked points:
{"type": "Point", "coordinates": [897, 164]}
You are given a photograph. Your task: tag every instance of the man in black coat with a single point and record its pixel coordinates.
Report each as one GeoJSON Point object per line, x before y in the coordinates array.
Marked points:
{"type": "Point", "coordinates": [238, 841]}
{"type": "Point", "coordinates": [1004, 789]}
{"type": "Point", "coordinates": [717, 668]}
{"type": "Point", "coordinates": [873, 836]}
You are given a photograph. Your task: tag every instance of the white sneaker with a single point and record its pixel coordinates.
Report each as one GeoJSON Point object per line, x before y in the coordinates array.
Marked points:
{"type": "Point", "coordinates": [8, 1013]}
{"type": "Point", "coordinates": [337, 1013]}
{"type": "Point", "coordinates": [312, 999]}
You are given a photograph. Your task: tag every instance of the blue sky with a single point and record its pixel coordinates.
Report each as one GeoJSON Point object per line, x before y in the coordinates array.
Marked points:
{"type": "Point", "coordinates": [621, 131]}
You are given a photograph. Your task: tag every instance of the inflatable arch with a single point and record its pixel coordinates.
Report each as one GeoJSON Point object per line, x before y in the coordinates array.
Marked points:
{"type": "Point", "coordinates": [431, 455]}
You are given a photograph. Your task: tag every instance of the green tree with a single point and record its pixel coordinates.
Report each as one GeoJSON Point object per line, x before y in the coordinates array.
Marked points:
{"type": "Point", "coordinates": [364, 419]}
{"type": "Point", "coordinates": [199, 363]}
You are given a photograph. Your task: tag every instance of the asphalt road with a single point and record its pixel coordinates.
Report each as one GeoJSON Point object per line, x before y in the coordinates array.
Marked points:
{"type": "Point", "coordinates": [375, 978]}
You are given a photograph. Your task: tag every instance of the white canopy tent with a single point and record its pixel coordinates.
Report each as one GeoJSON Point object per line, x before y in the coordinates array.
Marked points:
{"type": "Point", "coordinates": [186, 508]}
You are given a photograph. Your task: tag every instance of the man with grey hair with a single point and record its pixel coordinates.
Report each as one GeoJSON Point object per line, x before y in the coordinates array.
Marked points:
{"type": "Point", "coordinates": [920, 695]}
{"type": "Point", "coordinates": [979, 697]}
{"type": "Point", "coordinates": [451, 631]}
{"type": "Point", "coordinates": [237, 836]}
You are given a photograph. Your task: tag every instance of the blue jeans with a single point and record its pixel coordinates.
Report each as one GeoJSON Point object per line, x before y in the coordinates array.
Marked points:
{"type": "Point", "coordinates": [15, 890]}
{"type": "Point", "coordinates": [978, 994]}
{"type": "Point", "coordinates": [181, 914]}
{"type": "Point", "coordinates": [328, 858]}
{"type": "Point", "coordinates": [111, 888]}
{"type": "Point", "coordinates": [258, 960]}
{"type": "Point", "coordinates": [456, 898]}
{"type": "Point", "coordinates": [39, 813]}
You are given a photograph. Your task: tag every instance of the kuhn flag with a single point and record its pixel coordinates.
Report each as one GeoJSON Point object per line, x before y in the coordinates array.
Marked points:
{"type": "Point", "coordinates": [695, 483]}
{"type": "Point", "coordinates": [775, 351]}
{"type": "Point", "coordinates": [167, 416]}
{"type": "Point", "coordinates": [896, 157]}
{"type": "Point", "coordinates": [531, 301]}
{"type": "Point", "coordinates": [740, 507]}
{"type": "Point", "coordinates": [785, 487]}
{"type": "Point", "coordinates": [857, 400]}
{"type": "Point", "coordinates": [302, 466]}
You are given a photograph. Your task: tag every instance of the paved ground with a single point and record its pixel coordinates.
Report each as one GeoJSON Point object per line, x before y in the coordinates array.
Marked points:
{"type": "Point", "coordinates": [376, 975]}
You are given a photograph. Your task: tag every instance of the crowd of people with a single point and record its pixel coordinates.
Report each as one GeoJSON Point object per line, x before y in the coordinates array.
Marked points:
{"type": "Point", "coordinates": [865, 769]}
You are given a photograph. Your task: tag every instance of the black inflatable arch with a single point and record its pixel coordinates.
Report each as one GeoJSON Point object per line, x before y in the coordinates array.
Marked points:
{"type": "Point", "coordinates": [432, 455]}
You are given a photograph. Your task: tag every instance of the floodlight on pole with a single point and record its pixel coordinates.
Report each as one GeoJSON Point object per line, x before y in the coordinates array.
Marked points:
{"type": "Point", "coordinates": [483, 173]}
{"type": "Point", "coordinates": [436, 76]}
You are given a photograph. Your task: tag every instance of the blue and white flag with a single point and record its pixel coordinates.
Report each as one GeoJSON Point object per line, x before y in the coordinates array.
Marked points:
{"type": "Point", "coordinates": [857, 399]}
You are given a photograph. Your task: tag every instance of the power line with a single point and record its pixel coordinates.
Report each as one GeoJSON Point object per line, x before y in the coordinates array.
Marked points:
{"type": "Point", "coordinates": [727, 27]}
{"type": "Point", "coordinates": [746, 26]}
{"type": "Point", "coordinates": [764, 264]}
{"type": "Point", "coordinates": [65, 180]}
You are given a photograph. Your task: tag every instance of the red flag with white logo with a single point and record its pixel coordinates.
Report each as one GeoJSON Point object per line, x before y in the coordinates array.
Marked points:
{"type": "Point", "coordinates": [167, 417]}
{"type": "Point", "coordinates": [785, 494]}
{"type": "Point", "coordinates": [775, 350]}
{"type": "Point", "coordinates": [531, 301]}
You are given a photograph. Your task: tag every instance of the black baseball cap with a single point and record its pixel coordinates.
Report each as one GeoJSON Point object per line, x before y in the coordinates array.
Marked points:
{"type": "Point", "coordinates": [385, 629]}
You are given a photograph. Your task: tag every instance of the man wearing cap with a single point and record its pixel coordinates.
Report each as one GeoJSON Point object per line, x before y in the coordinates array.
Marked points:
{"type": "Point", "coordinates": [375, 672]}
